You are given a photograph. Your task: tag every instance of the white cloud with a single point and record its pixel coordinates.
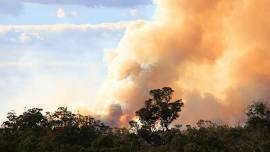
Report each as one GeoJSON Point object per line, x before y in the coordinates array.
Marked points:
{"type": "Point", "coordinates": [134, 12]}
{"type": "Point", "coordinates": [39, 46]}
{"type": "Point", "coordinates": [24, 37]}
{"type": "Point", "coordinates": [37, 40]}
{"type": "Point", "coordinates": [60, 13]}
{"type": "Point", "coordinates": [62, 27]}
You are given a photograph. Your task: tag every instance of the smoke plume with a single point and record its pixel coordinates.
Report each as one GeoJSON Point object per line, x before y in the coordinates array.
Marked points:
{"type": "Point", "coordinates": [215, 54]}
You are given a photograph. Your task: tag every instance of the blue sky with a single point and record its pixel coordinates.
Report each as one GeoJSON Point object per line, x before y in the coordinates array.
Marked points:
{"type": "Point", "coordinates": [51, 52]}
{"type": "Point", "coordinates": [34, 13]}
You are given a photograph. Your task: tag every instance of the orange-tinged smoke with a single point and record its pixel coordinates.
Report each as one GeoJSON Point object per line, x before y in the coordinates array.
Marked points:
{"type": "Point", "coordinates": [215, 54]}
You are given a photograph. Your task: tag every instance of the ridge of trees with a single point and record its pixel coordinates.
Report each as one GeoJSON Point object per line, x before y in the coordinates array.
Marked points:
{"type": "Point", "coordinates": [64, 131]}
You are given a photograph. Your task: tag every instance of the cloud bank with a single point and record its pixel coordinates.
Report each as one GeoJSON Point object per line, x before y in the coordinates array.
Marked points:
{"type": "Point", "coordinates": [213, 53]}
{"type": "Point", "coordinates": [61, 13]}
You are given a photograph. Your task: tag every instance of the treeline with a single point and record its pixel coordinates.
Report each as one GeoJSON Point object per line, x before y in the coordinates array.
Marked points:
{"type": "Point", "coordinates": [64, 131]}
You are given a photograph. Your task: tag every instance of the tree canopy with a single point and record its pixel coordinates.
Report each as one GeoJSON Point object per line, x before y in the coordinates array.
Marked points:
{"type": "Point", "coordinates": [63, 131]}
{"type": "Point", "coordinates": [159, 110]}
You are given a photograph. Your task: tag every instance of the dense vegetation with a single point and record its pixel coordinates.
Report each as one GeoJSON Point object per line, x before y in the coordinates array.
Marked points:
{"type": "Point", "coordinates": [63, 131]}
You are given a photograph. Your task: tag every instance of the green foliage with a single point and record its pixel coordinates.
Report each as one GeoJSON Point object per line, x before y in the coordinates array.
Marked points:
{"type": "Point", "coordinates": [159, 110]}
{"type": "Point", "coordinates": [63, 131]}
{"type": "Point", "coordinates": [58, 131]}
{"type": "Point", "coordinates": [258, 116]}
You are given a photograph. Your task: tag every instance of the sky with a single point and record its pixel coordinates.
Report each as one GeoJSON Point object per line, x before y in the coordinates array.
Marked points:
{"type": "Point", "coordinates": [52, 52]}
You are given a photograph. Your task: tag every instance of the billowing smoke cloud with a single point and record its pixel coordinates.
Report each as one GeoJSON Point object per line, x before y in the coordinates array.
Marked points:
{"type": "Point", "coordinates": [215, 54]}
